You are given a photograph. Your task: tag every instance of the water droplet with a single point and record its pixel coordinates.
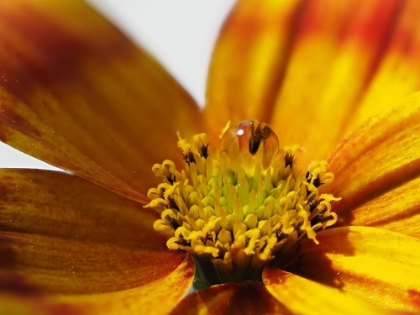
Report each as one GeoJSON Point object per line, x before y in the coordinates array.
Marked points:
{"type": "Point", "coordinates": [252, 138]}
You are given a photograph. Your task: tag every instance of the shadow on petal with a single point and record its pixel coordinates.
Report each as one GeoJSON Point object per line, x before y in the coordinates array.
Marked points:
{"type": "Point", "coordinates": [292, 260]}
{"type": "Point", "coordinates": [232, 298]}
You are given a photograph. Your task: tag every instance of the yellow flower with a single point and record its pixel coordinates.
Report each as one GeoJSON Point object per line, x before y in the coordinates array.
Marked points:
{"type": "Point", "coordinates": [77, 94]}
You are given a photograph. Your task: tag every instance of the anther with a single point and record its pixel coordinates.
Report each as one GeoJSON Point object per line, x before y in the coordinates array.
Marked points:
{"type": "Point", "coordinates": [204, 150]}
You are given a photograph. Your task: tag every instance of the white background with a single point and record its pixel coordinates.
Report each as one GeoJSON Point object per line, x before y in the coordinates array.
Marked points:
{"type": "Point", "coordinates": [179, 33]}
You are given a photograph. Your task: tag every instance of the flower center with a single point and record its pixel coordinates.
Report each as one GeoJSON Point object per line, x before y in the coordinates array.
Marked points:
{"type": "Point", "coordinates": [236, 208]}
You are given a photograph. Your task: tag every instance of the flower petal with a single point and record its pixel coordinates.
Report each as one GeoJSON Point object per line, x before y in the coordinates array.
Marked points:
{"type": "Point", "coordinates": [231, 298]}
{"type": "Point", "coordinates": [62, 234]}
{"type": "Point", "coordinates": [77, 94]}
{"type": "Point", "coordinates": [307, 297]}
{"type": "Point", "coordinates": [376, 159]}
{"type": "Point", "coordinates": [249, 61]}
{"type": "Point", "coordinates": [372, 264]}
{"type": "Point", "coordinates": [314, 69]}
{"type": "Point", "coordinates": [397, 210]}
{"type": "Point", "coordinates": [156, 297]}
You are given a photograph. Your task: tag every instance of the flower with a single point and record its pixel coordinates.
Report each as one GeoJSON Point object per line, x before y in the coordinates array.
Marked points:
{"type": "Point", "coordinates": [77, 94]}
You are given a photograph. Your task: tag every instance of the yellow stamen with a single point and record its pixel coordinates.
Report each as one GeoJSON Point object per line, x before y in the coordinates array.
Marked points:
{"type": "Point", "coordinates": [237, 207]}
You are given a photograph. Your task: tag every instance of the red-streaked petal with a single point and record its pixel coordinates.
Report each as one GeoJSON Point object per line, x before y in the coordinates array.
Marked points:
{"type": "Point", "coordinates": [62, 234]}
{"type": "Point", "coordinates": [76, 93]}
{"type": "Point", "coordinates": [232, 298]}
{"type": "Point", "coordinates": [307, 297]}
{"type": "Point", "coordinates": [314, 70]}
{"type": "Point", "coordinates": [248, 62]}
{"type": "Point", "coordinates": [372, 264]}
{"type": "Point", "coordinates": [397, 73]}
{"type": "Point", "coordinates": [378, 157]}
{"type": "Point", "coordinates": [155, 298]}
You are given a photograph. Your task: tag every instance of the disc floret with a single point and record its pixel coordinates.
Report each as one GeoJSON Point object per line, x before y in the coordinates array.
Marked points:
{"type": "Point", "coordinates": [236, 208]}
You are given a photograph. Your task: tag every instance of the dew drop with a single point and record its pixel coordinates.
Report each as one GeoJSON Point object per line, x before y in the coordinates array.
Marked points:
{"type": "Point", "coordinates": [252, 138]}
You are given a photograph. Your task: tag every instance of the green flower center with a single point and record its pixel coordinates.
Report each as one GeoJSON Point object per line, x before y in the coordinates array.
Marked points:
{"type": "Point", "coordinates": [236, 208]}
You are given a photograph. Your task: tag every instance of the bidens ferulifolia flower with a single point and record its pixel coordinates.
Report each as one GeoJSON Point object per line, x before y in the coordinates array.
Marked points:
{"type": "Point", "coordinates": [333, 229]}
{"type": "Point", "coordinates": [236, 209]}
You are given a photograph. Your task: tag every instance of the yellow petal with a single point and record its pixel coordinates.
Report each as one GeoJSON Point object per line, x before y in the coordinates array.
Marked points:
{"type": "Point", "coordinates": [63, 235]}
{"type": "Point", "coordinates": [76, 93]}
{"type": "Point", "coordinates": [155, 298]}
{"type": "Point", "coordinates": [379, 156]}
{"type": "Point", "coordinates": [231, 298]}
{"type": "Point", "coordinates": [372, 264]}
{"type": "Point", "coordinates": [307, 297]}
{"type": "Point", "coordinates": [314, 70]}
{"type": "Point", "coordinates": [397, 210]}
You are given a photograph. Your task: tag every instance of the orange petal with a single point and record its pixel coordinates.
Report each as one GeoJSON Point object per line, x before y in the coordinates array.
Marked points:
{"type": "Point", "coordinates": [307, 297]}
{"type": "Point", "coordinates": [377, 158]}
{"type": "Point", "coordinates": [157, 297]}
{"type": "Point", "coordinates": [231, 298]}
{"type": "Point", "coordinates": [62, 234]}
{"type": "Point", "coordinates": [372, 264]}
{"type": "Point", "coordinates": [77, 94]}
{"type": "Point", "coordinates": [314, 69]}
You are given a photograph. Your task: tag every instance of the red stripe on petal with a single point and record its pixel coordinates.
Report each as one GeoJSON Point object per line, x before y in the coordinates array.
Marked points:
{"type": "Point", "coordinates": [415, 297]}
